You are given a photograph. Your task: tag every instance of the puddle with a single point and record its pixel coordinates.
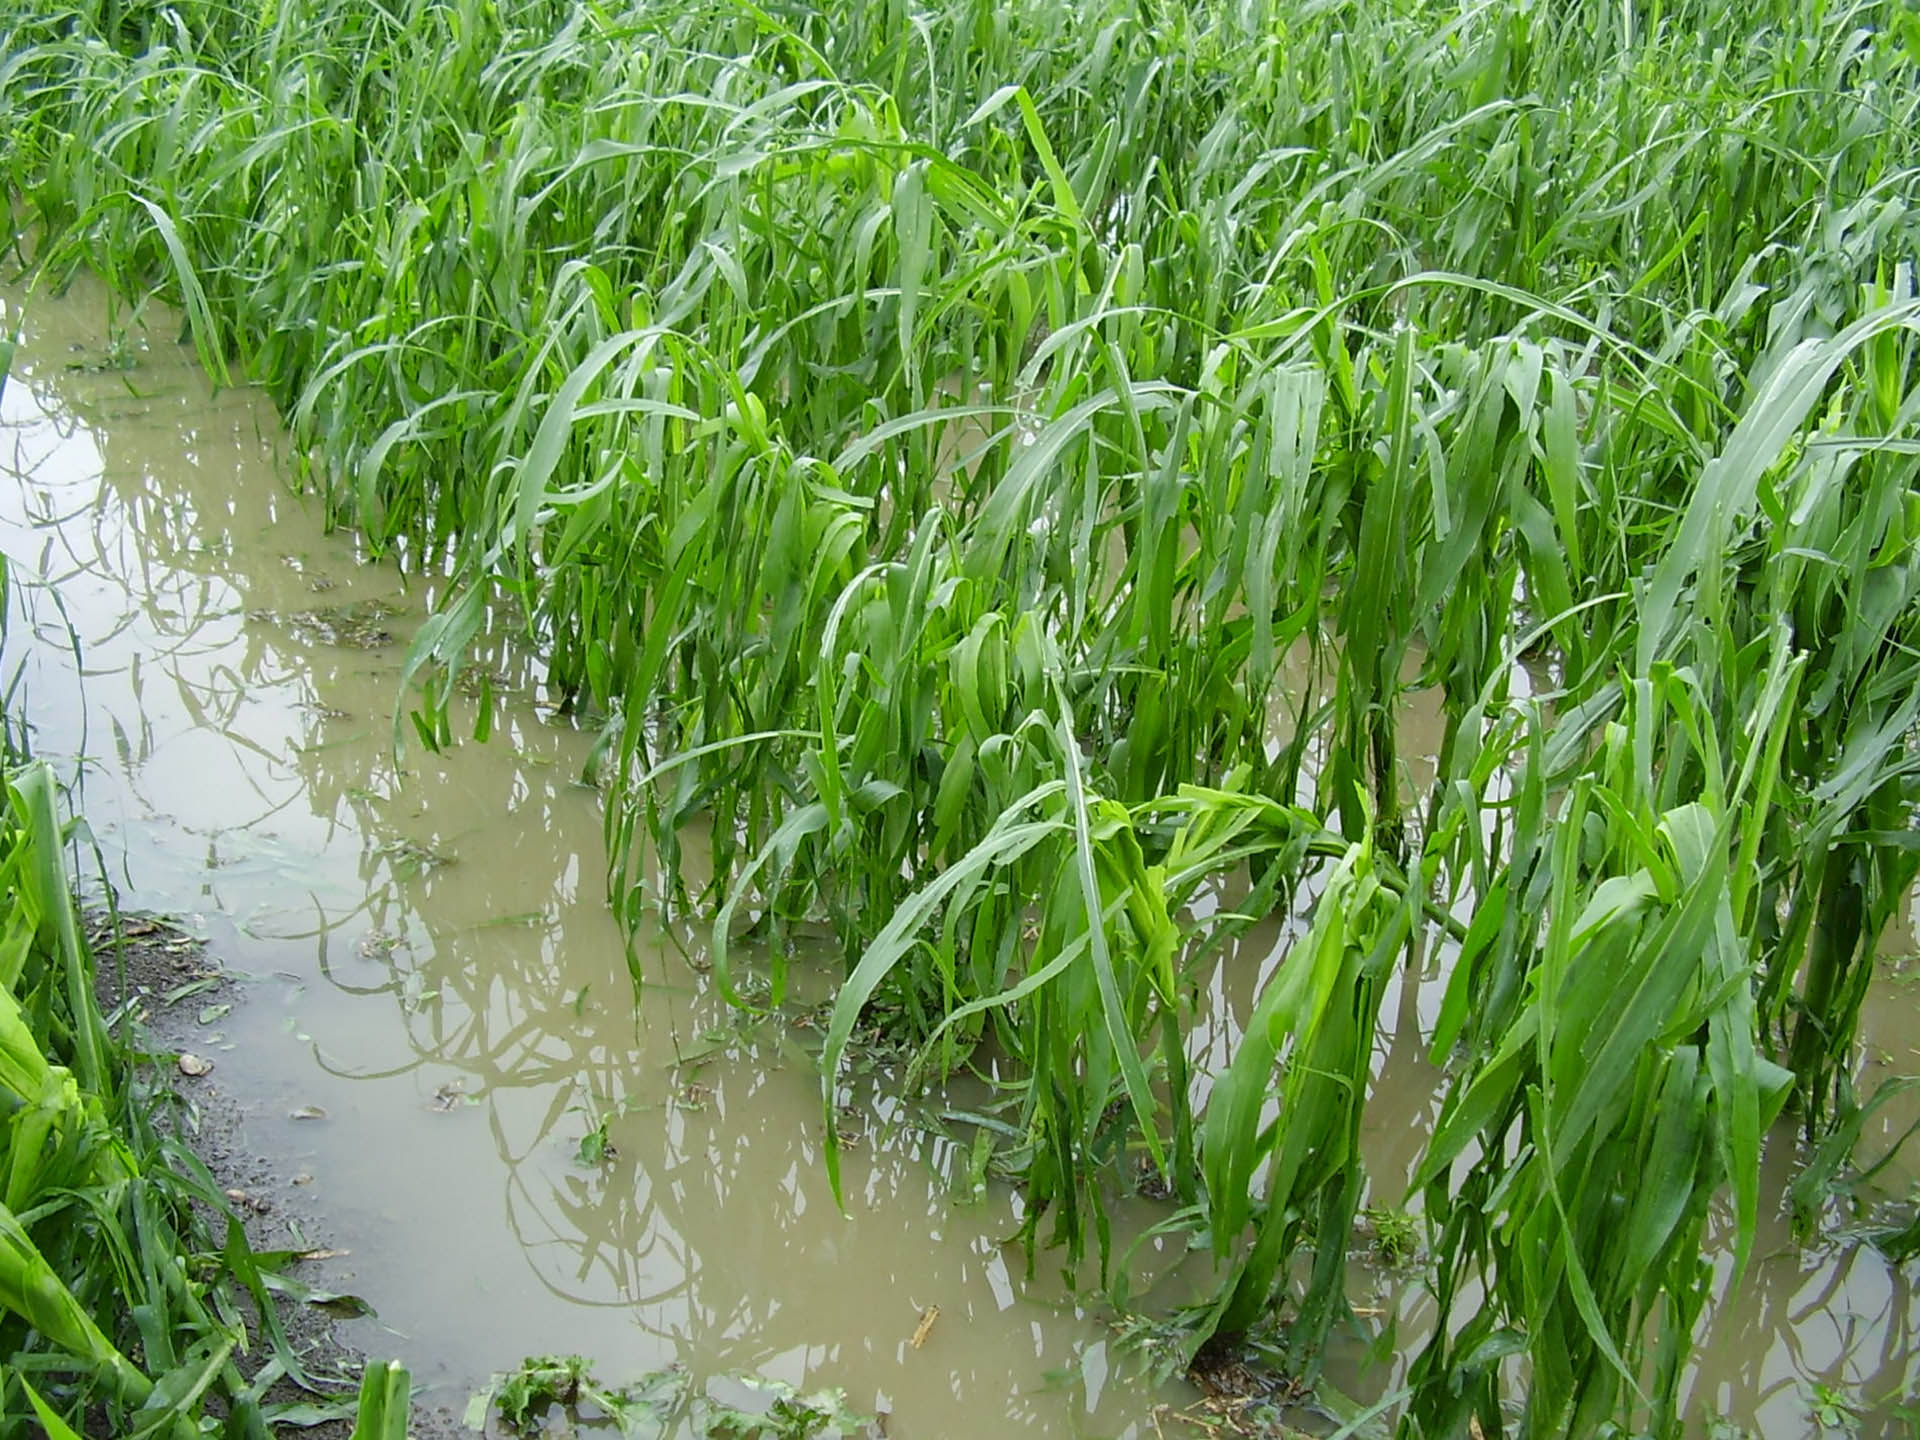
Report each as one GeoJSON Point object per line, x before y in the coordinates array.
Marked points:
{"type": "Point", "coordinates": [440, 979]}
{"type": "Point", "coordinates": [439, 972]}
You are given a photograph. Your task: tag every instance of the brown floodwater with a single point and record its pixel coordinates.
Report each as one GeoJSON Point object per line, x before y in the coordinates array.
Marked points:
{"type": "Point", "coordinates": [433, 966]}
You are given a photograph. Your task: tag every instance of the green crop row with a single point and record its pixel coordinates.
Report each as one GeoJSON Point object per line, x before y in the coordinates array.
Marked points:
{"type": "Point", "coordinates": [933, 438]}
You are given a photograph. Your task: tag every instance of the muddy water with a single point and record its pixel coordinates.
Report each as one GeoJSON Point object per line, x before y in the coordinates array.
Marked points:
{"type": "Point", "coordinates": [1831, 1313]}
{"type": "Point", "coordinates": [435, 966]}
{"type": "Point", "coordinates": [441, 994]}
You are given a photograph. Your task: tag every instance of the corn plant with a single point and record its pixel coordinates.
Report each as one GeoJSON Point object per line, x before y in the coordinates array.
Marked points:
{"type": "Point", "coordinates": [931, 442]}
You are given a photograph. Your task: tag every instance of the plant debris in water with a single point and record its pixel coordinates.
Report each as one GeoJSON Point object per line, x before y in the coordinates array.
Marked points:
{"type": "Point", "coordinates": [1313, 357]}
{"type": "Point", "coordinates": [555, 1394]}
{"type": "Point", "coordinates": [356, 626]}
{"type": "Point", "coordinates": [410, 859]}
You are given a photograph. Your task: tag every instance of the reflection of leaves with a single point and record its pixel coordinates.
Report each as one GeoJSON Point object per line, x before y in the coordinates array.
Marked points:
{"type": "Point", "coordinates": [414, 992]}
{"type": "Point", "coordinates": [709, 1043]}
{"type": "Point", "coordinates": [1900, 1243]}
{"type": "Point", "coordinates": [525, 920]}
{"type": "Point", "coordinates": [477, 684]}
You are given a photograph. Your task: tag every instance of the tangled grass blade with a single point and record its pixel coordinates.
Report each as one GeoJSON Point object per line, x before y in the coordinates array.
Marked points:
{"type": "Point", "coordinates": [1002, 469]}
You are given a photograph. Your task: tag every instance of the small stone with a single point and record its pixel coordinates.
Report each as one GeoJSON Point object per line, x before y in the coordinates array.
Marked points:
{"type": "Point", "coordinates": [194, 1065]}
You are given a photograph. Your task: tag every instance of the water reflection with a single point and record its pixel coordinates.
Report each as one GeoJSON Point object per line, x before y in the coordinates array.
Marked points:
{"type": "Point", "coordinates": [442, 978]}
{"type": "Point", "coordinates": [438, 973]}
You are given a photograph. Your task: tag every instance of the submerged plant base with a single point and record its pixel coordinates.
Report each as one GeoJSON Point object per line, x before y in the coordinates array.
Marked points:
{"type": "Point", "coordinates": [661, 1405]}
{"type": "Point", "coordinates": [1407, 335]}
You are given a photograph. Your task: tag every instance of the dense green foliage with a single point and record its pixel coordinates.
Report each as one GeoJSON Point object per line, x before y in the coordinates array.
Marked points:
{"type": "Point", "coordinates": [927, 432]}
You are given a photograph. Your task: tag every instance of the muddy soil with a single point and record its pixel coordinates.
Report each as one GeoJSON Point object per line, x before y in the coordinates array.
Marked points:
{"type": "Point", "coordinates": [156, 976]}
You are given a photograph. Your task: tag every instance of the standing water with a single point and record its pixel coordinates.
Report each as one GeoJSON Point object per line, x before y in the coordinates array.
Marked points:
{"type": "Point", "coordinates": [442, 1033]}
{"type": "Point", "coordinates": [437, 970]}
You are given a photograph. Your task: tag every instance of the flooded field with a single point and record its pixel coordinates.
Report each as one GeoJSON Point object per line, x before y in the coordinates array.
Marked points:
{"type": "Point", "coordinates": [439, 1014]}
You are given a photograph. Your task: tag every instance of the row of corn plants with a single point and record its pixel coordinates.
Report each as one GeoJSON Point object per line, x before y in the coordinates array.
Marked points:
{"type": "Point", "coordinates": [126, 1308]}
{"type": "Point", "coordinates": [927, 436]}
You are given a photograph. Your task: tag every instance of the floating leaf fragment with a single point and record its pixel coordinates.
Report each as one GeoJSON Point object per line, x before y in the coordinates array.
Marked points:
{"type": "Point", "coordinates": [196, 986]}
{"type": "Point", "coordinates": [925, 1327]}
{"type": "Point", "coordinates": [344, 1307]}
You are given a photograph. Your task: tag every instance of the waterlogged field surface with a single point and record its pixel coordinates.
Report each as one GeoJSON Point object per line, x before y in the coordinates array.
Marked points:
{"type": "Point", "coordinates": [436, 971]}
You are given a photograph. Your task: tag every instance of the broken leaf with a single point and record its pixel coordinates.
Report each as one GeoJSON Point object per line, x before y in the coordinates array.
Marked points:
{"type": "Point", "coordinates": [925, 1327]}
